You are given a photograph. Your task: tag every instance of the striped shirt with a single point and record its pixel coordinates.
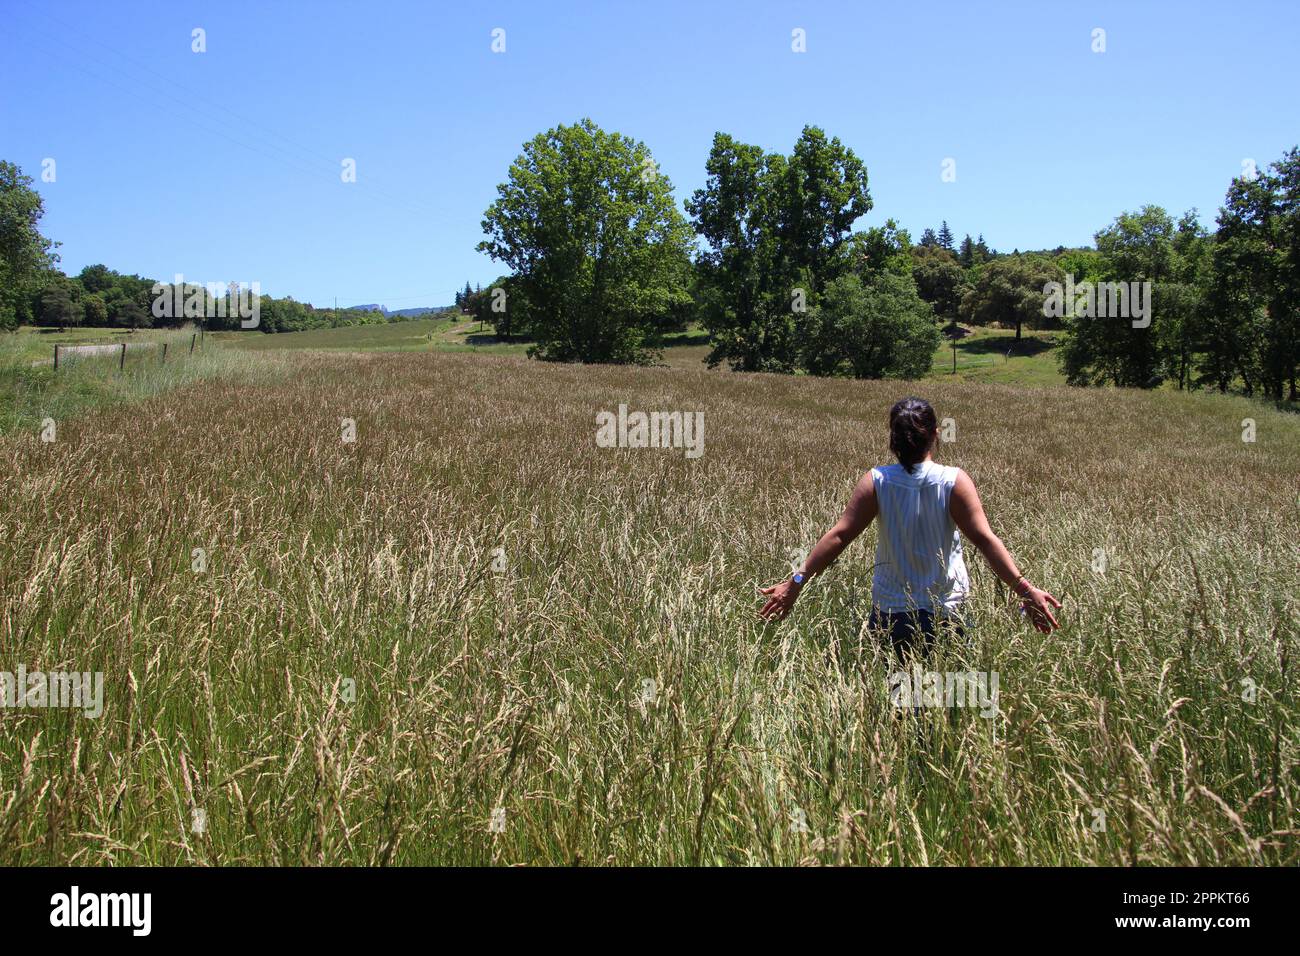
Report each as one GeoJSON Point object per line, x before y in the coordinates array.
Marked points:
{"type": "Point", "coordinates": [918, 547]}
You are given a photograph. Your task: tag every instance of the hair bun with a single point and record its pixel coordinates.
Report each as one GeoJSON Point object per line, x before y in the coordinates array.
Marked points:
{"type": "Point", "coordinates": [912, 429]}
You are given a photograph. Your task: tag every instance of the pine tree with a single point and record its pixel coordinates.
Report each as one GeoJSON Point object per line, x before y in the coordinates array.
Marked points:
{"type": "Point", "coordinates": [928, 238]}
{"type": "Point", "coordinates": [967, 255]}
{"type": "Point", "coordinates": [945, 236]}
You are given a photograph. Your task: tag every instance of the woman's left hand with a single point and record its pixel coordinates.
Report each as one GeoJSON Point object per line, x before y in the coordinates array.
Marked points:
{"type": "Point", "coordinates": [780, 601]}
{"type": "Point", "coordinates": [1037, 604]}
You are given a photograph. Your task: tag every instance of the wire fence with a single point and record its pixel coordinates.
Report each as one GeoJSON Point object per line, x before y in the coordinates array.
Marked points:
{"type": "Point", "coordinates": [66, 355]}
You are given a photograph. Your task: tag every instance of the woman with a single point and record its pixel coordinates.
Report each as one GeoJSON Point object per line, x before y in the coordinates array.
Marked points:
{"type": "Point", "coordinates": [920, 578]}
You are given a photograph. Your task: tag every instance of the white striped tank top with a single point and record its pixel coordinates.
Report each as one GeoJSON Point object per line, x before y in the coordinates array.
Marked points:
{"type": "Point", "coordinates": [918, 547]}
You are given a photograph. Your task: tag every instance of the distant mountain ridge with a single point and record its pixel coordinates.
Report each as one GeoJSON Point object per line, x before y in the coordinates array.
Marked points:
{"type": "Point", "coordinates": [403, 313]}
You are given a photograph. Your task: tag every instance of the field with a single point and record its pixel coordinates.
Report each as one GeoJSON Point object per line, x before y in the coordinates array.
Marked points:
{"type": "Point", "coordinates": [446, 333]}
{"type": "Point", "coordinates": [32, 391]}
{"type": "Point", "coordinates": [472, 636]}
{"type": "Point", "coordinates": [415, 334]}
{"type": "Point", "coordinates": [986, 355]}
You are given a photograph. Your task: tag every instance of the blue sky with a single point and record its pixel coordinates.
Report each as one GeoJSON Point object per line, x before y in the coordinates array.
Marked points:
{"type": "Point", "coordinates": [225, 165]}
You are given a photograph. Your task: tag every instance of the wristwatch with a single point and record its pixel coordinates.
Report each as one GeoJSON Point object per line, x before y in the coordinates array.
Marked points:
{"type": "Point", "coordinates": [798, 578]}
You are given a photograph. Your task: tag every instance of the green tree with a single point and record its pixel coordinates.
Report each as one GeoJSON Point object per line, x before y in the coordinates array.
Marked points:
{"type": "Point", "coordinates": [132, 315]}
{"type": "Point", "coordinates": [95, 310]}
{"type": "Point", "coordinates": [1179, 302]}
{"type": "Point", "coordinates": [944, 239]}
{"type": "Point", "coordinates": [940, 279]}
{"type": "Point", "coordinates": [97, 278]}
{"type": "Point", "coordinates": [884, 248]}
{"type": "Point", "coordinates": [879, 328]}
{"type": "Point", "coordinates": [825, 194]}
{"type": "Point", "coordinates": [778, 231]}
{"type": "Point", "coordinates": [966, 252]}
{"type": "Point", "coordinates": [1010, 291]}
{"type": "Point", "coordinates": [26, 257]}
{"type": "Point", "coordinates": [505, 310]}
{"type": "Point", "coordinates": [1107, 346]}
{"type": "Point", "coordinates": [1251, 329]}
{"type": "Point", "coordinates": [745, 276]}
{"type": "Point", "coordinates": [59, 305]}
{"type": "Point", "coordinates": [588, 226]}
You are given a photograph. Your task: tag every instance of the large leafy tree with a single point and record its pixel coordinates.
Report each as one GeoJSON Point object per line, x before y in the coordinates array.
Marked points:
{"type": "Point", "coordinates": [588, 226]}
{"type": "Point", "coordinates": [746, 275]}
{"type": "Point", "coordinates": [825, 194]}
{"type": "Point", "coordinates": [1139, 247]}
{"type": "Point", "coordinates": [26, 256]}
{"type": "Point", "coordinates": [1251, 327]}
{"type": "Point", "coordinates": [1136, 247]}
{"type": "Point", "coordinates": [777, 231]}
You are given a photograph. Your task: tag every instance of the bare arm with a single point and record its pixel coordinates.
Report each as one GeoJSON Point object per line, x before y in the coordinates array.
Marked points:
{"type": "Point", "coordinates": [858, 514]}
{"type": "Point", "coordinates": [968, 513]}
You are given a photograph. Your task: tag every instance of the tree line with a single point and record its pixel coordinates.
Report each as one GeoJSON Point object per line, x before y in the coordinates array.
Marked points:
{"type": "Point", "coordinates": [34, 291]}
{"type": "Point", "coordinates": [764, 257]}
{"type": "Point", "coordinates": [602, 264]}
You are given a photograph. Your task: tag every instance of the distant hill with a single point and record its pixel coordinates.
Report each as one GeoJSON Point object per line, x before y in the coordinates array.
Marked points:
{"type": "Point", "coordinates": [421, 310]}
{"type": "Point", "coordinates": [400, 313]}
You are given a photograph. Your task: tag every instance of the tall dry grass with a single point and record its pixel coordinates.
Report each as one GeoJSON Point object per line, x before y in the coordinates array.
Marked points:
{"type": "Point", "coordinates": [351, 682]}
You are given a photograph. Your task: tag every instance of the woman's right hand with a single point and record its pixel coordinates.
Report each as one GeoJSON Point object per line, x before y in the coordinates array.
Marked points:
{"type": "Point", "coordinates": [1038, 604]}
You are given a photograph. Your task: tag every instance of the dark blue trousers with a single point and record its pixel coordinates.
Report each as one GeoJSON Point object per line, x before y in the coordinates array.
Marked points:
{"type": "Point", "coordinates": [913, 633]}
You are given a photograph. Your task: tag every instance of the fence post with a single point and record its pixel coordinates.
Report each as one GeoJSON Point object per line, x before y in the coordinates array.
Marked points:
{"type": "Point", "coordinates": [56, 358]}
{"type": "Point", "coordinates": [121, 365]}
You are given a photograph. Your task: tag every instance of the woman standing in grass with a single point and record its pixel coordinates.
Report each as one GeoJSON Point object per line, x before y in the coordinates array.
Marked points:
{"type": "Point", "coordinates": [920, 578]}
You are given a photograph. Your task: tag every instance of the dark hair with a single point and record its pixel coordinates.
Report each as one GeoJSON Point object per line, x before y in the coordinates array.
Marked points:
{"type": "Point", "coordinates": [912, 429]}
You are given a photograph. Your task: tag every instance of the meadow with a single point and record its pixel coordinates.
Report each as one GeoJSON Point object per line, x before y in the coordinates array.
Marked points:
{"type": "Point", "coordinates": [33, 391]}
{"type": "Point", "coordinates": [469, 635]}
{"type": "Point", "coordinates": [986, 354]}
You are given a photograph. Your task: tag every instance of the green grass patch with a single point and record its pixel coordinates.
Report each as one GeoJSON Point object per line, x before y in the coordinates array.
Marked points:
{"type": "Point", "coordinates": [32, 390]}
{"type": "Point", "coordinates": [994, 356]}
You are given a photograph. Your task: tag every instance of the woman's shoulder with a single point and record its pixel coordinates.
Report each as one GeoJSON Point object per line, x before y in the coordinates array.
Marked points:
{"type": "Point", "coordinates": [946, 474]}
{"type": "Point", "coordinates": [935, 473]}
{"type": "Point", "coordinates": [930, 471]}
